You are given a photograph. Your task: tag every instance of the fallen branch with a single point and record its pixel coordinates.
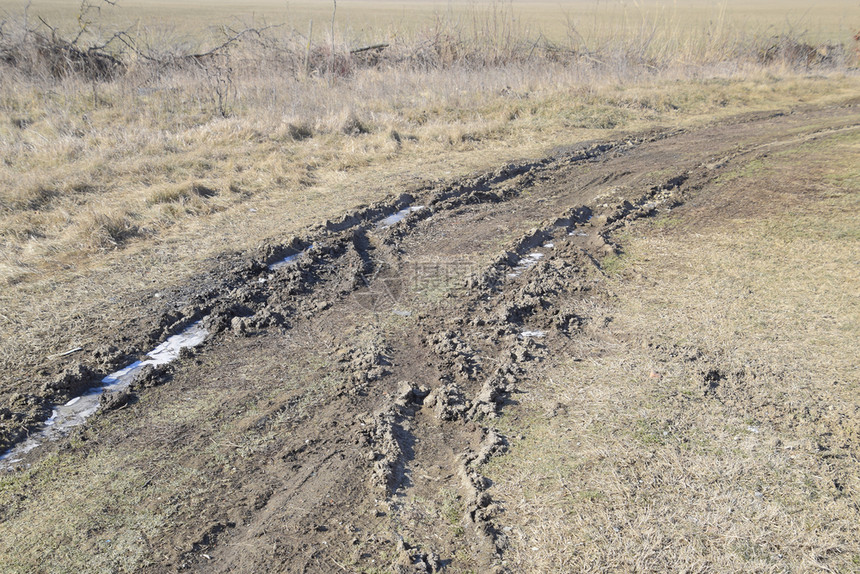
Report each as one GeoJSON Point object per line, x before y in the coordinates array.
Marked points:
{"type": "Point", "coordinates": [378, 47]}
{"type": "Point", "coordinates": [66, 353]}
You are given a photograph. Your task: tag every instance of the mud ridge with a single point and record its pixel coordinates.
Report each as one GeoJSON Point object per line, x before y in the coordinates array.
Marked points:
{"type": "Point", "coordinates": [509, 303]}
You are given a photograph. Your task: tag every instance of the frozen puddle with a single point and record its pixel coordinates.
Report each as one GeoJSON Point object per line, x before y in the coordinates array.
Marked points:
{"type": "Point", "coordinates": [535, 334]}
{"type": "Point", "coordinates": [77, 410]}
{"type": "Point", "coordinates": [288, 260]}
{"type": "Point", "coordinates": [284, 262]}
{"type": "Point", "coordinates": [525, 263]}
{"type": "Point", "coordinates": [399, 216]}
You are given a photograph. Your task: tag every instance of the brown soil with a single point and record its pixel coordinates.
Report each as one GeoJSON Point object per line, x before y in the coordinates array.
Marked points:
{"type": "Point", "coordinates": [341, 406]}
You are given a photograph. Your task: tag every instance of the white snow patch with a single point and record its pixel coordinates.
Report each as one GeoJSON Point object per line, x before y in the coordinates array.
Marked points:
{"type": "Point", "coordinates": [76, 411]}
{"type": "Point", "coordinates": [536, 334]}
{"type": "Point", "coordinates": [285, 261]}
{"type": "Point", "coordinates": [399, 216]}
{"type": "Point", "coordinates": [525, 263]}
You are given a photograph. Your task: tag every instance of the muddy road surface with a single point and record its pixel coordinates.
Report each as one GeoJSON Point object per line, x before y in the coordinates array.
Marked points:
{"type": "Point", "coordinates": [339, 411]}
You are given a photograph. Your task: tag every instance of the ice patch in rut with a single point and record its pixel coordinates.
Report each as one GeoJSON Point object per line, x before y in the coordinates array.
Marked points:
{"type": "Point", "coordinates": [285, 261]}
{"type": "Point", "coordinates": [536, 334]}
{"type": "Point", "coordinates": [399, 216]}
{"type": "Point", "coordinates": [76, 411]}
{"type": "Point", "coordinates": [525, 263]}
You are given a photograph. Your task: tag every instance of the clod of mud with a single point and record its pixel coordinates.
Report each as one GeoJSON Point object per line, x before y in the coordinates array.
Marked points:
{"type": "Point", "coordinates": [492, 395]}
{"type": "Point", "coordinates": [109, 357]}
{"type": "Point", "coordinates": [151, 376]}
{"type": "Point", "coordinates": [408, 395]}
{"type": "Point", "coordinates": [411, 561]}
{"type": "Point", "coordinates": [711, 380]}
{"type": "Point", "coordinates": [457, 354]}
{"type": "Point", "coordinates": [272, 253]}
{"type": "Point", "coordinates": [518, 311]}
{"type": "Point", "coordinates": [18, 418]}
{"type": "Point", "coordinates": [523, 351]}
{"type": "Point", "coordinates": [363, 365]}
{"type": "Point", "coordinates": [573, 217]}
{"type": "Point", "coordinates": [112, 401]}
{"type": "Point", "coordinates": [76, 379]}
{"type": "Point", "coordinates": [568, 320]}
{"type": "Point", "coordinates": [493, 444]}
{"type": "Point", "coordinates": [448, 402]}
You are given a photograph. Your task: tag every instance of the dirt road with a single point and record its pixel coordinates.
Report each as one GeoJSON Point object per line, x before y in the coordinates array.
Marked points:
{"type": "Point", "coordinates": [339, 413]}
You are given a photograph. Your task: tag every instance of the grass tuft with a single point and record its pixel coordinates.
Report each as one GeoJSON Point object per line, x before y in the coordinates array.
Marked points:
{"type": "Point", "coordinates": [107, 228]}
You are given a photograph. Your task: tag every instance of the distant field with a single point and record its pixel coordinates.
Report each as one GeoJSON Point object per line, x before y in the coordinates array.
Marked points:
{"type": "Point", "coordinates": [362, 20]}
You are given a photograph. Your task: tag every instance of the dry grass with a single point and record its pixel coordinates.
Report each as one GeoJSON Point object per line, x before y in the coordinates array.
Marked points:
{"type": "Point", "coordinates": [717, 429]}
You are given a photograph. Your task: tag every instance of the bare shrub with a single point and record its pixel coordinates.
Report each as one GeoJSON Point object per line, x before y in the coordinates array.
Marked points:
{"type": "Point", "coordinates": [489, 39]}
{"type": "Point", "coordinates": [796, 53]}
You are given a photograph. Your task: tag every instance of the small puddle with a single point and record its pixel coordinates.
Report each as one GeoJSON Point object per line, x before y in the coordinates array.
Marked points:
{"type": "Point", "coordinates": [526, 262]}
{"type": "Point", "coordinates": [398, 217]}
{"type": "Point", "coordinates": [76, 411]}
